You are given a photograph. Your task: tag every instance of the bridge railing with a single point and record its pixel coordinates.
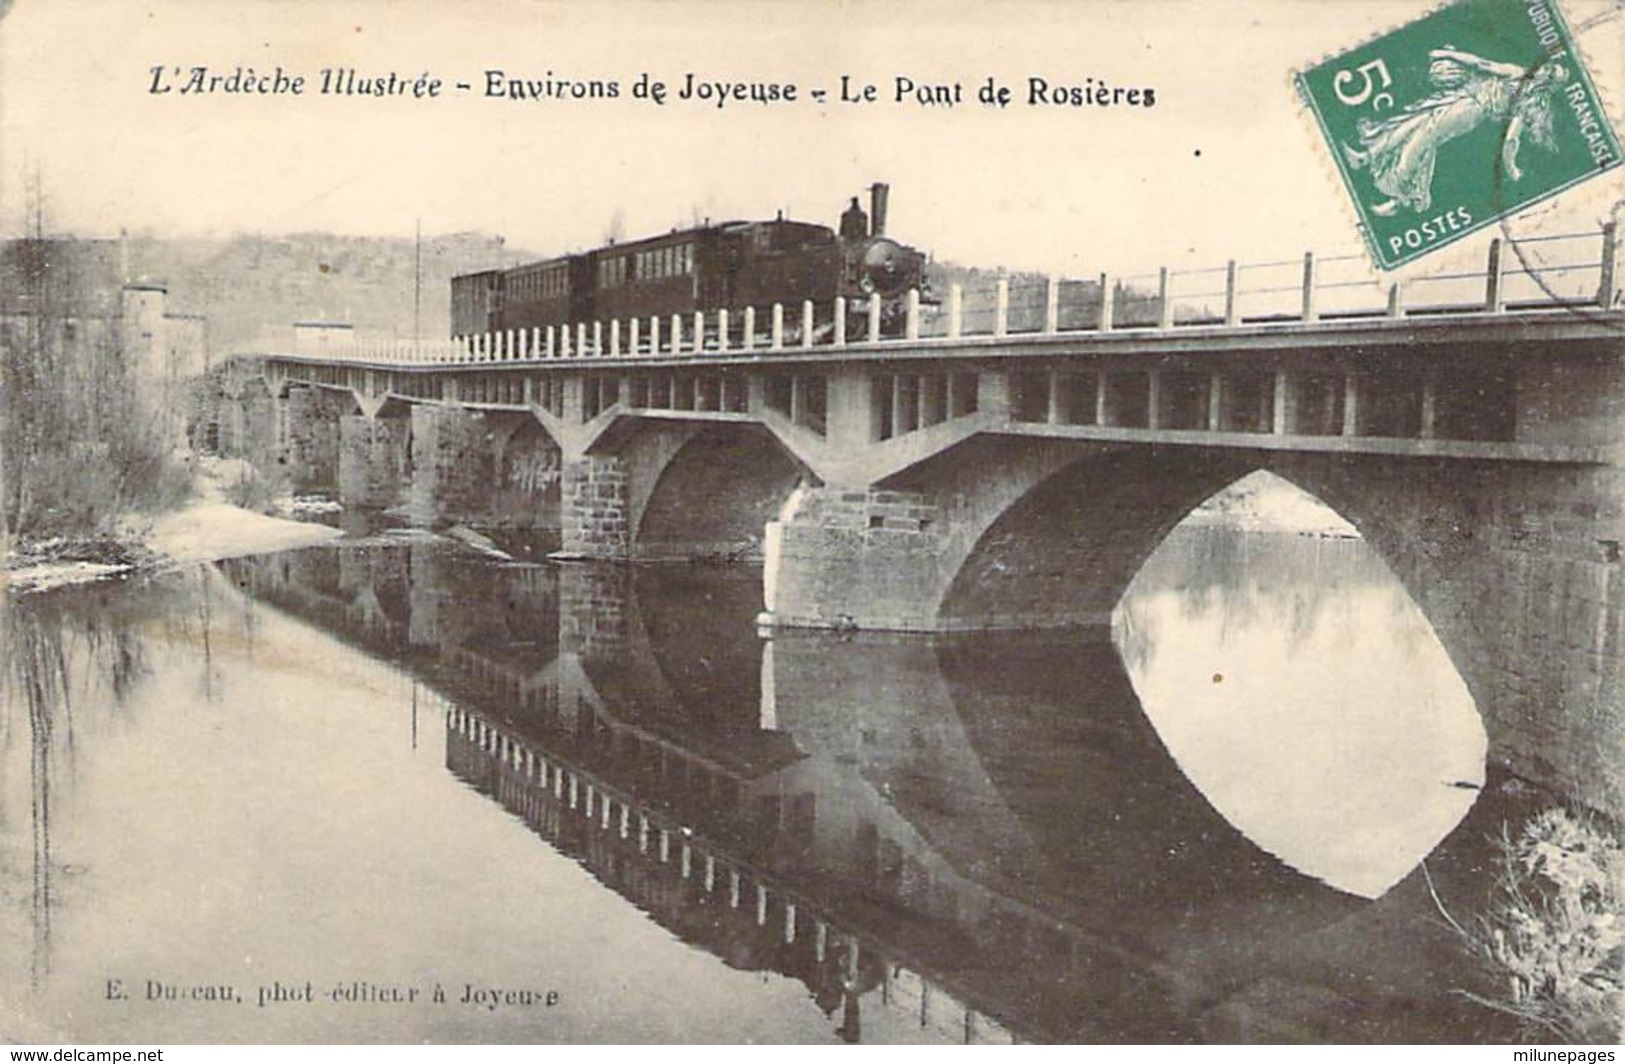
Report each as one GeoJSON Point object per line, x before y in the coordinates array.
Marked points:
{"type": "Point", "coordinates": [1564, 270]}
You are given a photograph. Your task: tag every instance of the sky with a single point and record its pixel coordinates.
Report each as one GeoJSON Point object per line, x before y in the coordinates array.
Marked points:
{"type": "Point", "coordinates": [1227, 164]}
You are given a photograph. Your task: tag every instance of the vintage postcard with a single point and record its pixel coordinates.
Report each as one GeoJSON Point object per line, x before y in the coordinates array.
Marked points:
{"type": "Point", "coordinates": [675, 522]}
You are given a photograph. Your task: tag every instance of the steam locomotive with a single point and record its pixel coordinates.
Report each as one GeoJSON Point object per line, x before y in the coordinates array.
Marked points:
{"type": "Point", "coordinates": [712, 267]}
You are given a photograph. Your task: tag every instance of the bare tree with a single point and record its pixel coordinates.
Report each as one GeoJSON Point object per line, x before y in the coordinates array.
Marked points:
{"type": "Point", "coordinates": [81, 444]}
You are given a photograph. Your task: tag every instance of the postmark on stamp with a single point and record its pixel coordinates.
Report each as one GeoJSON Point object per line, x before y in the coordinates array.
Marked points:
{"type": "Point", "coordinates": [1458, 119]}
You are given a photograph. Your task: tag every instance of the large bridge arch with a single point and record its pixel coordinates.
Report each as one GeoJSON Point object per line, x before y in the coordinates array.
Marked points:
{"type": "Point", "coordinates": [1066, 550]}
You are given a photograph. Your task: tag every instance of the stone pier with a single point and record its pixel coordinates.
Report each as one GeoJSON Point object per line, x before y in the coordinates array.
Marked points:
{"type": "Point", "coordinates": [308, 436]}
{"type": "Point", "coordinates": [375, 460]}
{"type": "Point", "coordinates": [452, 464]}
{"type": "Point", "coordinates": [595, 508]}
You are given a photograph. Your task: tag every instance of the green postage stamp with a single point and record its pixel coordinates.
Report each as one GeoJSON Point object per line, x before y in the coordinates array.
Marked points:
{"type": "Point", "coordinates": [1454, 121]}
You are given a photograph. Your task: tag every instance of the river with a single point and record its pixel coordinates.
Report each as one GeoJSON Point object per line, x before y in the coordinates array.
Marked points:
{"type": "Point", "coordinates": [398, 790]}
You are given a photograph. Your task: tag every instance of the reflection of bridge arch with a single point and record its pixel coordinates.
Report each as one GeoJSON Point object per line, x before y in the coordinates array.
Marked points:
{"type": "Point", "coordinates": [885, 791]}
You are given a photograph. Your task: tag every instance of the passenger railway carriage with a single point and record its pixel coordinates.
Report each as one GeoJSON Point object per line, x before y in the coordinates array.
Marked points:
{"type": "Point", "coordinates": [713, 267]}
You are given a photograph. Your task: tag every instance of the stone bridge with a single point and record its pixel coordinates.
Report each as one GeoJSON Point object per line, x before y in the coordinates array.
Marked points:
{"type": "Point", "coordinates": [1010, 461]}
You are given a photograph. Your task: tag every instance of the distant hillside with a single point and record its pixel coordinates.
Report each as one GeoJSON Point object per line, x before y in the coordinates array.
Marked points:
{"type": "Point", "coordinates": [1080, 297]}
{"type": "Point", "coordinates": [253, 286]}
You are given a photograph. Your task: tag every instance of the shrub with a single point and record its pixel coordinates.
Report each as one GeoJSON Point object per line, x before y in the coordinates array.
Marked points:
{"type": "Point", "coordinates": [1556, 930]}
{"type": "Point", "coordinates": [254, 490]}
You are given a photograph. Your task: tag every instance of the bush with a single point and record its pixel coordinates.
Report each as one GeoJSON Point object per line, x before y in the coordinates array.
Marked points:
{"type": "Point", "coordinates": [254, 490]}
{"type": "Point", "coordinates": [1556, 931]}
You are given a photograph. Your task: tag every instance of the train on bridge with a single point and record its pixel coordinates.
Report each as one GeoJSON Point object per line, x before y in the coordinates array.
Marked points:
{"type": "Point", "coordinates": [712, 267]}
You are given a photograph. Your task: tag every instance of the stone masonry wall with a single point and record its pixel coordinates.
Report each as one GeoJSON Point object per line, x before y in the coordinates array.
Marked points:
{"type": "Point", "coordinates": [248, 428]}
{"type": "Point", "coordinates": [856, 556]}
{"type": "Point", "coordinates": [452, 465]}
{"type": "Point", "coordinates": [309, 437]}
{"type": "Point", "coordinates": [374, 460]}
{"type": "Point", "coordinates": [595, 508]}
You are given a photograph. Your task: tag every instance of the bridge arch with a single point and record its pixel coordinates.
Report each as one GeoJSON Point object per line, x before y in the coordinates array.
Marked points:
{"type": "Point", "coordinates": [713, 494]}
{"type": "Point", "coordinates": [528, 468]}
{"type": "Point", "coordinates": [1064, 551]}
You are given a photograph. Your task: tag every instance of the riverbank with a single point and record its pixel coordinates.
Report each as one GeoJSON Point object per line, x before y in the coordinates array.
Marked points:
{"type": "Point", "coordinates": [208, 528]}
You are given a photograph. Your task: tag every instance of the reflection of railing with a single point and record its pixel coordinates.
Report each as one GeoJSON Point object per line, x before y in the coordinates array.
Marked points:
{"type": "Point", "coordinates": [1548, 272]}
{"type": "Point", "coordinates": [667, 867]}
{"type": "Point", "coordinates": [659, 810]}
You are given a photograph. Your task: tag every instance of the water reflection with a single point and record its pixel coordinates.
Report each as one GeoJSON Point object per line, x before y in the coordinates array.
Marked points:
{"type": "Point", "coordinates": [709, 837]}
{"type": "Point", "coordinates": [1299, 686]}
{"type": "Point", "coordinates": [61, 658]}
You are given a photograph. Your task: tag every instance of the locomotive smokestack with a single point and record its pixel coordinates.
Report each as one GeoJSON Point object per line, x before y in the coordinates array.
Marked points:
{"type": "Point", "coordinates": [877, 207]}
